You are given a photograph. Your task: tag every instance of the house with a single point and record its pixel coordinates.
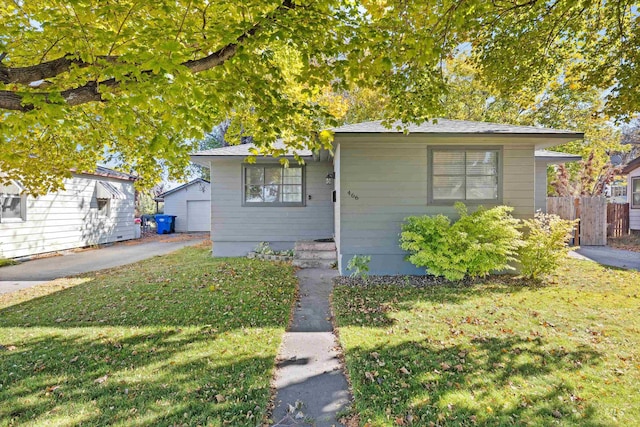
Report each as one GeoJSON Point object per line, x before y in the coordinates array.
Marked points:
{"type": "Point", "coordinates": [93, 208]}
{"type": "Point", "coordinates": [632, 170]}
{"type": "Point", "coordinates": [375, 178]}
{"type": "Point", "coordinates": [545, 158]}
{"type": "Point", "coordinates": [191, 204]}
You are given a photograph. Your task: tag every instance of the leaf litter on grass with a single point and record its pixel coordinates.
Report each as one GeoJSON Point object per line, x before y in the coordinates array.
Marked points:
{"type": "Point", "coordinates": [147, 344]}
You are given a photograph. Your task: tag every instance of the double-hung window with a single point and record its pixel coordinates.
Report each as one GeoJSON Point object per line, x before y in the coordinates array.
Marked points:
{"type": "Point", "coordinates": [635, 193]}
{"type": "Point", "coordinates": [470, 175]}
{"type": "Point", "coordinates": [273, 185]}
{"type": "Point", "coordinates": [13, 205]}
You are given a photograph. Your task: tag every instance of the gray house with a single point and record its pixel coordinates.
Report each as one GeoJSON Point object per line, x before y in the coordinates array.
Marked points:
{"type": "Point", "coordinates": [93, 208]}
{"type": "Point", "coordinates": [191, 204]}
{"type": "Point", "coordinates": [374, 179]}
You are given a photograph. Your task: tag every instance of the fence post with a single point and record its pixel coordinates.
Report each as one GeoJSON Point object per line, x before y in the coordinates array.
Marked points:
{"type": "Point", "coordinates": [576, 237]}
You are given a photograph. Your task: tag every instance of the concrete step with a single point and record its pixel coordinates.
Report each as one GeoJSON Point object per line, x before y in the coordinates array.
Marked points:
{"type": "Point", "coordinates": [315, 255]}
{"type": "Point", "coordinates": [310, 245]}
{"type": "Point", "coordinates": [314, 263]}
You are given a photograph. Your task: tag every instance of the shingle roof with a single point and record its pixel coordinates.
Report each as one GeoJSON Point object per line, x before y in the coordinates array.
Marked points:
{"type": "Point", "coordinates": [556, 156]}
{"type": "Point", "coordinates": [243, 150]}
{"type": "Point", "coordinates": [632, 165]}
{"type": "Point", "coordinates": [180, 187]}
{"type": "Point", "coordinates": [454, 126]}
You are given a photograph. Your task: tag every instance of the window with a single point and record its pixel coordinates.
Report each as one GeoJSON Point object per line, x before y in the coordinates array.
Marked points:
{"type": "Point", "coordinates": [103, 206]}
{"type": "Point", "coordinates": [618, 191]}
{"type": "Point", "coordinates": [13, 205]}
{"type": "Point", "coordinates": [635, 193]}
{"type": "Point", "coordinates": [273, 185]}
{"type": "Point", "coordinates": [467, 175]}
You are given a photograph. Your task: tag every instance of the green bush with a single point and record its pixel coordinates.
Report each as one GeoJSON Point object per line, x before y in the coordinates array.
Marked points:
{"type": "Point", "coordinates": [544, 245]}
{"type": "Point", "coordinates": [359, 265]}
{"type": "Point", "coordinates": [474, 246]}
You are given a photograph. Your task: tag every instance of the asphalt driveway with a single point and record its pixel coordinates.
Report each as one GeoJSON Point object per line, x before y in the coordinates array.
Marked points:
{"type": "Point", "coordinates": [606, 255]}
{"type": "Point", "coordinates": [42, 270]}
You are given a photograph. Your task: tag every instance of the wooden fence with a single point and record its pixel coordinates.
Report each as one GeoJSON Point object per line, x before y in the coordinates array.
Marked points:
{"type": "Point", "coordinates": [592, 213]}
{"type": "Point", "coordinates": [617, 219]}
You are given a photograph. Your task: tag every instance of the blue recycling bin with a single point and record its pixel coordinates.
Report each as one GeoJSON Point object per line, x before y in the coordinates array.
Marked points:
{"type": "Point", "coordinates": [164, 224]}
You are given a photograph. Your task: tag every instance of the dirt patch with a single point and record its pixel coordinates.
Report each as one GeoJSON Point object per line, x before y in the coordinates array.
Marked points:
{"type": "Point", "coordinates": [630, 242]}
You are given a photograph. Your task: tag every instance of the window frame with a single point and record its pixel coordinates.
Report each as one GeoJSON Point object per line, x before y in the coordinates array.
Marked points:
{"type": "Point", "coordinates": [105, 210]}
{"type": "Point", "coordinates": [464, 148]}
{"type": "Point", "coordinates": [630, 192]}
{"type": "Point", "coordinates": [23, 205]}
{"type": "Point", "coordinates": [246, 166]}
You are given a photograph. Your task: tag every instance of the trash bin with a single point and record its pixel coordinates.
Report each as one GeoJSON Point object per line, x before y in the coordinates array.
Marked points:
{"type": "Point", "coordinates": [164, 224]}
{"type": "Point", "coordinates": [173, 223]}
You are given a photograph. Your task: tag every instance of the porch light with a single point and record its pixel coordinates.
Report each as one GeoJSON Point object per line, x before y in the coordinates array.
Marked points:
{"type": "Point", "coordinates": [330, 177]}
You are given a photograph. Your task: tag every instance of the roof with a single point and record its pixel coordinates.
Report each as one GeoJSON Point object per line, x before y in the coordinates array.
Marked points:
{"type": "Point", "coordinates": [188, 184]}
{"type": "Point", "coordinates": [632, 165]}
{"type": "Point", "coordinates": [556, 156]}
{"type": "Point", "coordinates": [109, 173]}
{"type": "Point", "coordinates": [446, 126]}
{"type": "Point", "coordinates": [244, 150]}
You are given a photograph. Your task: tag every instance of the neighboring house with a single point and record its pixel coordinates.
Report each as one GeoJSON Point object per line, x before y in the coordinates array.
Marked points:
{"type": "Point", "coordinates": [632, 170]}
{"type": "Point", "coordinates": [543, 159]}
{"type": "Point", "coordinates": [191, 204]}
{"type": "Point", "coordinates": [374, 180]}
{"type": "Point", "coordinates": [93, 208]}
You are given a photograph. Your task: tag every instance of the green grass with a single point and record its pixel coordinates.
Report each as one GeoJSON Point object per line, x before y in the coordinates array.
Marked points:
{"type": "Point", "coordinates": [6, 261]}
{"type": "Point", "coordinates": [498, 353]}
{"type": "Point", "coordinates": [183, 339]}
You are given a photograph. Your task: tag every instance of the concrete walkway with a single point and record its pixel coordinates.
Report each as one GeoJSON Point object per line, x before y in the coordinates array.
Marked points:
{"type": "Point", "coordinates": [36, 271]}
{"type": "Point", "coordinates": [606, 255]}
{"type": "Point", "coordinates": [311, 387]}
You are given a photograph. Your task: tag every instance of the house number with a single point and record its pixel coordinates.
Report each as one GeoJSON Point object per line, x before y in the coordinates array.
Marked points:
{"type": "Point", "coordinates": [353, 195]}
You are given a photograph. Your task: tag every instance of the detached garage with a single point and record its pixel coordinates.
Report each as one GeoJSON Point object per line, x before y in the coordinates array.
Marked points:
{"type": "Point", "coordinates": [191, 204]}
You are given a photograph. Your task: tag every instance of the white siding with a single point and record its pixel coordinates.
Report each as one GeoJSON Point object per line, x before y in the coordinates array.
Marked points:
{"type": "Point", "coordinates": [236, 229]}
{"type": "Point", "coordinates": [176, 203]}
{"type": "Point", "coordinates": [69, 219]}
{"type": "Point", "coordinates": [389, 178]}
{"type": "Point", "coordinates": [634, 214]}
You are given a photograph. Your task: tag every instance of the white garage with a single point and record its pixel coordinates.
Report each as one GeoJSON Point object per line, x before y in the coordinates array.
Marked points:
{"type": "Point", "coordinates": [191, 204]}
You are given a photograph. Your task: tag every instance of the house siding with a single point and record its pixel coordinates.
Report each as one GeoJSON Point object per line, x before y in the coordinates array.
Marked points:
{"type": "Point", "coordinates": [384, 180]}
{"type": "Point", "coordinates": [69, 219]}
{"type": "Point", "coordinates": [634, 214]}
{"type": "Point", "coordinates": [176, 203]}
{"type": "Point", "coordinates": [541, 185]}
{"type": "Point", "coordinates": [237, 229]}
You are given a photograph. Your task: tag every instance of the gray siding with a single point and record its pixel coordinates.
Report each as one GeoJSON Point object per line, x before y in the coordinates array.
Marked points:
{"type": "Point", "coordinates": [176, 203]}
{"type": "Point", "coordinates": [69, 219]}
{"type": "Point", "coordinates": [236, 230]}
{"type": "Point", "coordinates": [389, 179]}
{"type": "Point", "coordinates": [541, 185]}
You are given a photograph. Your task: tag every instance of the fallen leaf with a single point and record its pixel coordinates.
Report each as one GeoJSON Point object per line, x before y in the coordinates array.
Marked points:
{"type": "Point", "coordinates": [220, 398]}
{"type": "Point", "coordinates": [101, 379]}
{"type": "Point", "coordinates": [405, 371]}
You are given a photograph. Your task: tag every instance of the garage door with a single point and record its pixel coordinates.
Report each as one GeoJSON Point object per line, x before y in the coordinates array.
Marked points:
{"type": "Point", "coordinates": [198, 215]}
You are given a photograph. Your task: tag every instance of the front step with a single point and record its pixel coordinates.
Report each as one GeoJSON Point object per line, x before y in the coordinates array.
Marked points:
{"type": "Point", "coordinates": [311, 254]}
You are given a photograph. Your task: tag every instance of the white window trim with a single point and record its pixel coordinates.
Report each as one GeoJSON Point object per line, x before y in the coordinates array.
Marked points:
{"type": "Point", "coordinates": [23, 207]}
{"type": "Point", "coordinates": [631, 193]}
{"type": "Point", "coordinates": [272, 204]}
{"type": "Point", "coordinates": [449, 202]}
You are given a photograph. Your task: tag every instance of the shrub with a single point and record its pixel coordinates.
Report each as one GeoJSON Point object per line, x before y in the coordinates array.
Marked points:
{"type": "Point", "coordinates": [474, 246]}
{"type": "Point", "coordinates": [264, 248]}
{"type": "Point", "coordinates": [544, 245]}
{"type": "Point", "coordinates": [359, 265]}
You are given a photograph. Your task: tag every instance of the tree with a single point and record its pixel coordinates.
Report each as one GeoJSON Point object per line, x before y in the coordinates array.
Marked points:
{"type": "Point", "coordinates": [80, 81]}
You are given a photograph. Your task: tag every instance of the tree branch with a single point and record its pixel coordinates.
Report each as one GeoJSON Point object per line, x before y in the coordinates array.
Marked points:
{"type": "Point", "coordinates": [89, 92]}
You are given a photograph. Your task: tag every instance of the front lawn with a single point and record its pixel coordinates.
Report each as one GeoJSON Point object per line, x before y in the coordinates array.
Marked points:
{"type": "Point", "coordinates": [496, 353]}
{"type": "Point", "coordinates": [183, 339]}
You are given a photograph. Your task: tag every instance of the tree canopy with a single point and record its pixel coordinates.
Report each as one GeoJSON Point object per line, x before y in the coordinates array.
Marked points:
{"type": "Point", "coordinates": [133, 82]}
